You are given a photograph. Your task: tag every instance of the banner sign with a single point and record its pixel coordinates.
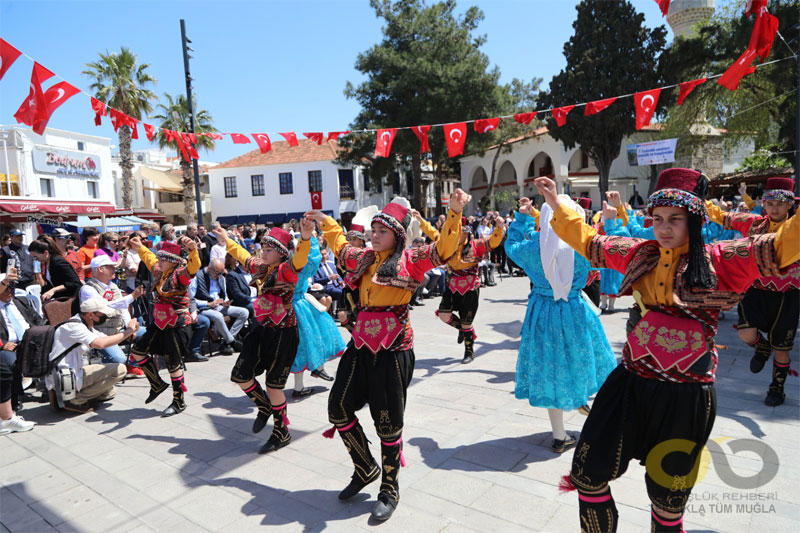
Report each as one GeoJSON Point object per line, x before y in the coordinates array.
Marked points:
{"type": "Point", "coordinates": [652, 153]}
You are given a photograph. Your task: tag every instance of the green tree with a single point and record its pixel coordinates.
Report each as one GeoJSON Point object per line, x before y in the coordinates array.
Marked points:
{"type": "Point", "coordinates": [428, 69]}
{"type": "Point", "coordinates": [175, 116]}
{"type": "Point", "coordinates": [121, 82]}
{"type": "Point", "coordinates": [611, 53]}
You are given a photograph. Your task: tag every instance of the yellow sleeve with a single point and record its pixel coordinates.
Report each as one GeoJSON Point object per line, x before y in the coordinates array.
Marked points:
{"type": "Point", "coordinates": [571, 228]}
{"type": "Point", "coordinates": [749, 201]}
{"type": "Point", "coordinates": [622, 214]}
{"type": "Point", "coordinates": [428, 229]}
{"type": "Point", "coordinates": [535, 214]}
{"type": "Point", "coordinates": [787, 242]}
{"type": "Point", "coordinates": [334, 235]}
{"type": "Point", "coordinates": [193, 264]}
{"type": "Point", "coordinates": [596, 217]}
{"type": "Point", "coordinates": [238, 253]}
{"type": "Point", "coordinates": [148, 257]}
{"type": "Point", "coordinates": [300, 257]}
{"type": "Point", "coordinates": [715, 213]}
{"type": "Point", "coordinates": [447, 243]}
{"type": "Point", "coordinates": [496, 237]}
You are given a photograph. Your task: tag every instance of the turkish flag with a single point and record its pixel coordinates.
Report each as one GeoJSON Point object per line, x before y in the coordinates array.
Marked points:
{"type": "Point", "coordinates": [290, 137]}
{"type": "Point", "coordinates": [99, 109]}
{"type": "Point", "coordinates": [262, 139]}
{"type": "Point", "coordinates": [422, 134]}
{"type": "Point", "coordinates": [754, 6]}
{"type": "Point", "coordinates": [215, 136]}
{"type": "Point", "coordinates": [687, 87]}
{"type": "Point", "coordinates": [316, 200]}
{"type": "Point", "coordinates": [664, 5]}
{"type": "Point", "coordinates": [455, 135]}
{"type": "Point", "coordinates": [118, 118]}
{"type": "Point", "coordinates": [560, 114]}
{"type": "Point", "coordinates": [189, 140]}
{"type": "Point", "coordinates": [592, 108]}
{"type": "Point", "coordinates": [525, 118]}
{"type": "Point", "coordinates": [763, 35]}
{"type": "Point", "coordinates": [383, 142]}
{"type": "Point", "coordinates": [645, 103]}
{"type": "Point", "coordinates": [173, 136]}
{"type": "Point", "coordinates": [482, 125]}
{"type": "Point", "coordinates": [741, 68]}
{"type": "Point", "coordinates": [316, 136]}
{"type": "Point", "coordinates": [8, 54]}
{"type": "Point", "coordinates": [239, 138]}
{"type": "Point", "coordinates": [54, 96]}
{"type": "Point", "coordinates": [150, 131]}
{"type": "Point", "coordinates": [334, 135]}
{"type": "Point", "coordinates": [28, 109]}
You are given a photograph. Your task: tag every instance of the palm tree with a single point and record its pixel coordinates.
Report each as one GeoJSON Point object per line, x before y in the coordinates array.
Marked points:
{"type": "Point", "coordinates": [175, 117]}
{"type": "Point", "coordinates": [121, 83]}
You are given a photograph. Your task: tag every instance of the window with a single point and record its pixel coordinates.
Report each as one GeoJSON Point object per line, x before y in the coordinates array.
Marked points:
{"type": "Point", "coordinates": [92, 189]}
{"type": "Point", "coordinates": [346, 191]}
{"type": "Point", "coordinates": [47, 187]}
{"type": "Point", "coordinates": [286, 182]}
{"type": "Point", "coordinates": [257, 183]}
{"type": "Point", "coordinates": [230, 187]}
{"type": "Point", "coordinates": [314, 181]}
{"type": "Point", "coordinates": [81, 146]}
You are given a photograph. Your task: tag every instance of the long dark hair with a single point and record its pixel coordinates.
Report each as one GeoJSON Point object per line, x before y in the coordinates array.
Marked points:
{"type": "Point", "coordinates": [43, 244]}
{"type": "Point", "coordinates": [698, 269]}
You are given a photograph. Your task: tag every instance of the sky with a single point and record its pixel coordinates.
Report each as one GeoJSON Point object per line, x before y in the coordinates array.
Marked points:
{"type": "Point", "coordinates": [265, 66]}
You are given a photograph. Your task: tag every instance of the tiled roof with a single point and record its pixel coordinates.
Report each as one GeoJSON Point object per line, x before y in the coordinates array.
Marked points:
{"type": "Point", "coordinates": [282, 154]}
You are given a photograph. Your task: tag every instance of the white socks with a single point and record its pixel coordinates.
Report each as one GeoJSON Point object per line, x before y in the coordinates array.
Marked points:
{"type": "Point", "coordinates": [557, 423]}
{"type": "Point", "coordinates": [298, 381]}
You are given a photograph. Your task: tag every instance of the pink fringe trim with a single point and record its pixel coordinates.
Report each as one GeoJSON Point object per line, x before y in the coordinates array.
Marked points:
{"type": "Point", "coordinates": [565, 485]}
{"type": "Point", "coordinates": [395, 443]}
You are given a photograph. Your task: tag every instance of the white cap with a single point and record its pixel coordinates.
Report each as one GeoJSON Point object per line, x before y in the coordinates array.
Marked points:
{"type": "Point", "coordinates": [101, 260]}
{"type": "Point", "coordinates": [96, 305]}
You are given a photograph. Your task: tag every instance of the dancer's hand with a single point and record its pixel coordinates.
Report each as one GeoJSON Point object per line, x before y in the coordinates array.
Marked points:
{"type": "Point", "coordinates": [188, 243]}
{"type": "Point", "coordinates": [306, 228]}
{"type": "Point", "coordinates": [416, 214]}
{"type": "Point", "coordinates": [135, 243]}
{"type": "Point", "coordinates": [316, 215]}
{"type": "Point", "coordinates": [742, 189]}
{"type": "Point", "coordinates": [458, 200]}
{"type": "Point", "coordinates": [525, 206]}
{"type": "Point", "coordinates": [221, 234]}
{"type": "Point", "coordinates": [547, 188]}
{"type": "Point", "coordinates": [609, 213]}
{"type": "Point", "coordinates": [613, 198]}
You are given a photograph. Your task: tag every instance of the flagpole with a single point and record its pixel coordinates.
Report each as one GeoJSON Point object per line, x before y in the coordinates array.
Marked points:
{"type": "Point", "coordinates": [198, 197]}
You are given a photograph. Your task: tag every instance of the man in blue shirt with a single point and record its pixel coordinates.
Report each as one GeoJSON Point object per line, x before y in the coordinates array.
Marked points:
{"type": "Point", "coordinates": [211, 297]}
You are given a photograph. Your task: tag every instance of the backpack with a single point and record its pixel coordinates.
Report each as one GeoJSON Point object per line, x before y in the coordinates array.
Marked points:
{"type": "Point", "coordinates": [35, 347]}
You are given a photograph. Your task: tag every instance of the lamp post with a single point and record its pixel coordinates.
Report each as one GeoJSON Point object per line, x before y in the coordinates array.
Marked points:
{"type": "Point", "coordinates": [185, 44]}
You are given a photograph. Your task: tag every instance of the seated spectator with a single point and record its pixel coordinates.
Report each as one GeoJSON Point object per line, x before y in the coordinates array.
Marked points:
{"type": "Point", "coordinates": [16, 315]}
{"type": "Point", "coordinates": [101, 285]}
{"type": "Point", "coordinates": [218, 250]}
{"type": "Point", "coordinates": [328, 277]}
{"type": "Point", "coordinates": [93, 383]}
{"type": "Point", "coordinates": [237, 285]}
{"type": "Point", "coordinates": [200, 329]}
{"type": "Point", "coordinates": [167, 235]}
{"type": "Point", "coordinates": [9, 421]}
{"type": "Point", "coordinates": [210, 293]}
{"type": "Point", "coordinates": [107, 245]}
{"type": "Point", "coordinates": [154, 234]}
{"type": "Point", "coordinates": [86, 252]}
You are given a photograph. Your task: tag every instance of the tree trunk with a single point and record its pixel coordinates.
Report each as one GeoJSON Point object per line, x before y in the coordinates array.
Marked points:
{"type": "Point", "coordinates": [416, 174]}
{"type": "Point", "coordinates": [189, 207]}
{"type": "Point", "coordinates": [653, 180]}
{"type": "Point", "coordinates": [493, 176]}
{"type": "Point", "coordinates": [438, 190]}
{"type": "Point", "coordinates": [603, 170]}
{"type": "Point", "coordinates": [126, 164]}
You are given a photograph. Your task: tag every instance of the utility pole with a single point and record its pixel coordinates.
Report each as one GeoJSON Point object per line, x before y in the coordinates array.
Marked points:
{"type": "Point", "coordinates": [185, 43]}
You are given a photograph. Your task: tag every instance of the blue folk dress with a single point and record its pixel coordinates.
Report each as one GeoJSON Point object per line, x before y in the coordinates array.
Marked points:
{"type": "Point", "coordinates": [610, 279]}
{"type": "Point", "coordinates": [564, 355]}
{"type": "Point", "coordinates": [320, 339]}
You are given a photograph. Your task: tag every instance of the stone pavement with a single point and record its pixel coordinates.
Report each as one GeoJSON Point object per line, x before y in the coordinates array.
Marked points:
{"type": "Point", "coordinates": [478, 459]}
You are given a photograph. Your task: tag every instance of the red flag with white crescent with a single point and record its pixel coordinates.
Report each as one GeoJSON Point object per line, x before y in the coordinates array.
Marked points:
{"type": "Point", "coordinates": [290, 137]}
{"type": "Point", "coordinates": [482, 125]}
{"type": "Point", "coordinates": [35, 99]}
{"type": "Point", "coordinates": [316, 136]}
{"type": "Point", "coordinates": [54, 96]}
{"type": "Point", "coordinates": [754, 6]}
{"type": "Point", "coordinates": [455, 135]}
{"type": "Point", "coordinates": [645, 103]}
{"type": "Point", "coordinates": [687, 87]}
{"type": "Point", "coordinates": [741, 68]}
{"type": "Point", "coordinates": [525, 118]}
{"type": "Point", "coordinates": [8, 54]}
{"type": "Point", "coordinates": [150, 131]}
{"type": "Point", "coordinates": [664, 6]}
{"type": "Point", "coordinates": [316, 200]}
{"type": "Point", "coordinates": [189, 140]}
{"type": "Point", "coordinates": [118, 118]}
{"type": "Point", "coordinates": [334, 135]}
{"type": "Point", "coordinates": [763, 35]}
{"type": "Point", "coordinates": [592, 108]}
{"type": "Point", "coordinates": [239, 138]}
{"type": "Point", "coordinates": [215, 136]}
{"type": "Point", "coordinates": [422, 134]}
{"type": "Point", "coordinates": [560, 114]}
{"type": "Point", "coordinates": [263, 142]}
{"type": "Point", "coordinates": [383, 142]}
{"type": "Point", "coordinates": [99, 109]}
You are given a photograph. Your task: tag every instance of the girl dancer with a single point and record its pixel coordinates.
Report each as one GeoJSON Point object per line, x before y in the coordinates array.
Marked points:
{"type": "Point", "coordinates": [559, 365]}
{"type": "Point", "coordinates": [171, 332]}
{"type": "Point", "coordinates": [659, 405]}
{"type": "Point", "coordinates": [271, 346]}
{"type": "Point", "coordinates": [377, 366]}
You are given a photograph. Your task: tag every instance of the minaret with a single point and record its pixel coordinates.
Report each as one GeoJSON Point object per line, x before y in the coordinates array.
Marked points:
{"type": "Point", "coordinates": [684, 14]}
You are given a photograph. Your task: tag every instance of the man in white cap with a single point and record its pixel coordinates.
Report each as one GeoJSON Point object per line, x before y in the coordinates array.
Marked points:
{"type": "Point", "coordinates": [100, 285]}
{"type": "Point", "coordinates": [92, 382]}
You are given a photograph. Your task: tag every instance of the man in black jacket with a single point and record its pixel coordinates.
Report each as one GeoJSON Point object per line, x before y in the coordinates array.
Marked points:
{"type": "Point", "coordinates": [237, 287]}
{"type": "Point", "coordinates": [211, 298]}
{"type": "Point", "coordinates": [23, 257]}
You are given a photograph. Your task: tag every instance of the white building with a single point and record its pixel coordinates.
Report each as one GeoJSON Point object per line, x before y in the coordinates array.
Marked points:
{"type": "Point", "coordinates": [58, 174]}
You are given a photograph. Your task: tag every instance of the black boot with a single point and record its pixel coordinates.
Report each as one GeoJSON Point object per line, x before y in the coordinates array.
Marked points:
{"type": "Point", "coordinates": [389, 495]}
{"type": "Point", "coordinates": [366, 470]}
{"type": "Point", "coordinates": [597, 512]}
{"type": "Point", "coordinates": [177, 405]}
{"type": "Point", "coordinates": [775, 394]}
{"type": "Point", "coordinates": [260, 398]}
{"type": "Point", "coordinates": [763, 351]}
{"type": "Point", "coordinates": [280, 432]}
{"type": "Point", "coordinates": [469, 346]}
{"type": "Point", "coordinates": [157, 385]}
{"type": "Point", "coordinates": [660, 524]}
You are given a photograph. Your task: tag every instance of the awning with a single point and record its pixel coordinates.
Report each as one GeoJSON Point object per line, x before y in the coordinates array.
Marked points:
{"type": "Point", "coordinates": [142, 214]}
{"type": "Point", "coordinates": [271, 218]}
{"type": "Point", "coordinates": [56, 207]}
{"type": "Point", "coordinates": [246, 219]}
{"type": "Point", "coordinates": [165, 180]}
{"type": "Point", "coordinates": [115, 223]}
{"type": "Point", "coordinates": [227, 220]}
